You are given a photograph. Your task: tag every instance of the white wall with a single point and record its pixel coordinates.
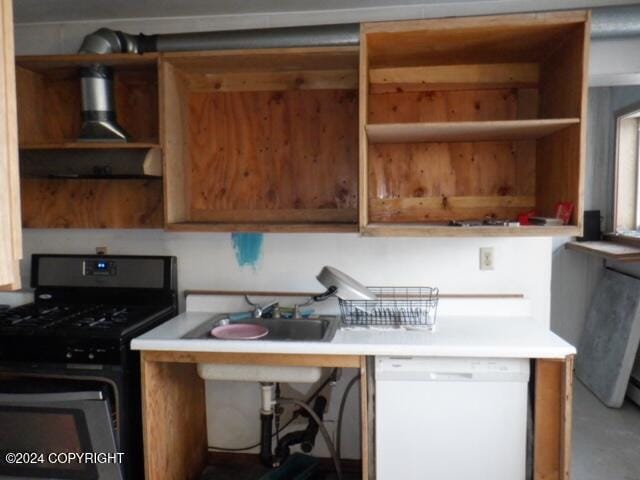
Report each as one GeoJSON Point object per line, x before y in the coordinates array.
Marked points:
{"type": "Point", "coordinates": [291, 261]}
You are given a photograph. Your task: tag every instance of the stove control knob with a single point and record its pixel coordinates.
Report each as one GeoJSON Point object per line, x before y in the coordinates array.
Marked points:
{"type": "Point", "coordinates": [69, 355]}
{"type": "Point", "coordinates": [91, 356]}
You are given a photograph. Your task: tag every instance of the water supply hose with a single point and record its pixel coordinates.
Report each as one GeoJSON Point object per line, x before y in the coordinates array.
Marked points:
{"type": "Point", "coordinates": [343, 403]}
{"type": "Point", "coordinates": [323, 430]}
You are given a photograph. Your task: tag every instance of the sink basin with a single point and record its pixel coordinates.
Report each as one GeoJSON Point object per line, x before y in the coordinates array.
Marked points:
{"type": "Point", "coordinates": [321, 329]}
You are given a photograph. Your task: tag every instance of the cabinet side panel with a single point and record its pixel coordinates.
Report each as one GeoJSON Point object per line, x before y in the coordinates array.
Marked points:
{"type": "Point", "coordinates": [552, 419]}
{"type": "Point", "coordinates": [174, 423]}
{"type": "Point", "coordinates": [563, 94]}
{"type": "Point", "coordinates": [10, 227]}
{"type": "Point", "coordinates": [173, 119]}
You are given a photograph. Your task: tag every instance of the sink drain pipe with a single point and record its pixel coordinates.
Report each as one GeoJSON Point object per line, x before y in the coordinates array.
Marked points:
{"type": "Point", "coordinates": [266, 423]}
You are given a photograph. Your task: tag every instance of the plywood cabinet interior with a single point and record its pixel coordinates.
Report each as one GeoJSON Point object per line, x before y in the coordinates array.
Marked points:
{"type": "Point", "coordinates": [50, 116]}
{"type": "Point", "coordinates": [472, 118]}
{"type": "Point", "coordinates": [262, 140]}
{"type": "Point", "coordinates": [462, 119]}
{"type": "Point", "coordinates": [10, 225]}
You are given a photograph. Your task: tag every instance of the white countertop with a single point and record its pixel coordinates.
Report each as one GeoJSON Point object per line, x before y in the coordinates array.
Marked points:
{"type": "Point", "coordinates": [455, 336]}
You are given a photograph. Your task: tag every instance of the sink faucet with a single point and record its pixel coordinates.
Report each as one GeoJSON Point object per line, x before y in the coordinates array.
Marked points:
{"type": "Point", "coordinates": [260, 310]}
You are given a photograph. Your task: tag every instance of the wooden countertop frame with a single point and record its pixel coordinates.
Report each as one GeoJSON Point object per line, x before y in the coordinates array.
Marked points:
{"type": "Point", "coordinates": [174, 410]}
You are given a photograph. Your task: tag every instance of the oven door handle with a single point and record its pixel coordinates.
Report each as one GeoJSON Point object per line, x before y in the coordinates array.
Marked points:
{"type": "Point", "coordinates": [14, 398]}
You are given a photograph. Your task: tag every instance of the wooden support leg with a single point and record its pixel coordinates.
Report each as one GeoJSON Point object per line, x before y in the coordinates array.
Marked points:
{"type": "Point", "coordinates": [552, 419]}
{"type": "Point", "coordinates": [174, 421]}
{"type": "Point", "coordinates": [364, 415]}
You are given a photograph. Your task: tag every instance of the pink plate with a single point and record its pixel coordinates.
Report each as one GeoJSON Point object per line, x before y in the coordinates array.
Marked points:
{"type": "Point", "coordinates": [240, 331]}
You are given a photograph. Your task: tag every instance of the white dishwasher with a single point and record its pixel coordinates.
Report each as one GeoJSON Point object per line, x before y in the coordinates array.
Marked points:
{"type": "Point", "coordinates": [451, 418]}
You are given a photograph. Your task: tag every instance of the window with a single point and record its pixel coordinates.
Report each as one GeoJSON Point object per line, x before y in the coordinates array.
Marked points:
{"type": "Point", "coordinates": [627, 197]}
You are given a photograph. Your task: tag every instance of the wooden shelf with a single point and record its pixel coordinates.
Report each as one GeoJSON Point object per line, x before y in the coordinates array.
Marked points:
{"type": "Point", "coordinates": [426, 230]}
{"type": "Point", "coordinates": [263, 227]}
{"type": "Point", "coordinates": [607, 250]}
{"type": "Point", "coordinates": [87, 145]}
{"type": "Point", "coordinates": [466, 131]}
{"type": "Point", "coordinates": [41, 63]}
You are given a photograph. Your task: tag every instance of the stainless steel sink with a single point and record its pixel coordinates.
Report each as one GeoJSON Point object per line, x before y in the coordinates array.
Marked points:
{"type": "Point", "coordinates": [321, 329]}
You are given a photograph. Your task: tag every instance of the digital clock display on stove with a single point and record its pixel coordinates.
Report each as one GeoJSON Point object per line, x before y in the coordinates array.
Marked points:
{"type": "Point", "coordinates": [100, 267]}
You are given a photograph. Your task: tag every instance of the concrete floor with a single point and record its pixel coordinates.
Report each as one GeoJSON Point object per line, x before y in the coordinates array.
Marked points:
{"type": "Point", "coordinates": [606, 441]}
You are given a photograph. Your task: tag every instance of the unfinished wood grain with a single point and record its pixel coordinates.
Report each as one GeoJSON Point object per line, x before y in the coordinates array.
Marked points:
{"type": "Point", "coordinates": [275, 81]}
{"type": "Point", "coordinates": [542, 54]}
{"type": "Point", "coordinates": [54, 203]}
{"type": "Point", "coordinates": [550, 420]}
{"type": "Point", "coordinates": [443, 106]}
{"type": "Point", "coordinates": [173, 116]}
{"type": "Point", "coordinates": [466, 131]}
{"type": "Point", "coordinates": [449, 169]}
{"type": "Point", "coordinates": [363, 147]}
{"type": "Point", "coordinates": [452, 41]}
{"type": "Point", "coordinates": [174, 420]}
{"type": "Point", "coordinates": [292, 215]}
{"type": "Point", "coordinates": [264, 60]}
{"type": "Point", "coordinates": [136, 96]}
{"type": "Point", "coordinates": [278, 151]}
{"type": "Point", "coordinates": [343, 361]}
{"type": "Point", "coordinates": [441, 230]}
{"type": "Point", "coordinates": [566, 434]}
{"type": "Point", "coordinates": [366, 422]}
{"type": "Point", "coordinates": [454, 77]}
{"type": "Point", "coordinates": [448, 208]}
{"type": "Point", "coordinates": [558, 167]}
{"type": "Point", "coordinates": [260, 140]}
{"type": "Point", "coordinates": [49, 98]}
{"type": "Point", "coordinates": [10, 226]}
{"type": "Point", "coordinates": [563, 92]}
{"type": "Point", "coordinates": [608, 250]}
{"type": "Point", "coordinates": [272, 227]}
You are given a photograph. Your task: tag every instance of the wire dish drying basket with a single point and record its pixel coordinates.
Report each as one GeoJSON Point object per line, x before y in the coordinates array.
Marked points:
{"type": "Point", "coordinates": [397, 307]}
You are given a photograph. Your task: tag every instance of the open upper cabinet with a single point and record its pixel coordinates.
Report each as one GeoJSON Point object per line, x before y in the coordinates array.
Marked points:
{"type": "Point", "coordinates": [50, 117]}
{"type": "Point", "coordinates": [471, 118]}
{"type": "Point", "coordinates": [458, 119]}
{"type": "Point", "coordinates": [261, 140]}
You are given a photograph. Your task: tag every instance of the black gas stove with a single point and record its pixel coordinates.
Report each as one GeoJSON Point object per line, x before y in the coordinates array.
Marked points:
{"type": "Point", "coordinates": [86, 310]}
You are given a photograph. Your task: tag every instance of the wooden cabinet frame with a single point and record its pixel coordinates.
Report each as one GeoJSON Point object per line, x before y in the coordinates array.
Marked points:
{"type": "Point", "coordinates": [468, 118]}
{"type": "Point", "coordinates": [10, 223]}
{"type": "Point", "coordinates": [261, 140]}
{"type": "Point", "coordinates": [174, 421]}
{"type": "Point", "coordinates": [427, 121]}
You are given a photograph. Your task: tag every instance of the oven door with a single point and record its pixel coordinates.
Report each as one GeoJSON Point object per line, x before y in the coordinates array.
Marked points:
{"type": "Point", "coordinates": [47, 435]}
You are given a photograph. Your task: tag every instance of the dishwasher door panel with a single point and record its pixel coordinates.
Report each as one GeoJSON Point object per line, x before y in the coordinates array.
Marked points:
{"type": "Point", "coordinates": [451, 430]}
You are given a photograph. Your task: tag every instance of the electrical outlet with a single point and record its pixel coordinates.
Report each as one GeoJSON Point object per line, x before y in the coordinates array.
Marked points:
{"type": "Point", "coordinates": [486, 258]}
